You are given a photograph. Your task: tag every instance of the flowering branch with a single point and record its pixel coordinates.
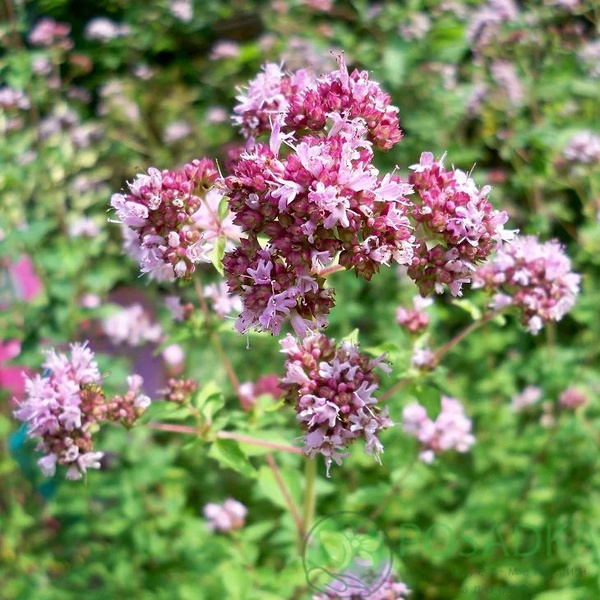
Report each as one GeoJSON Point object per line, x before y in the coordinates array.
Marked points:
{"type": "Point", "coordinates": [461, 335]}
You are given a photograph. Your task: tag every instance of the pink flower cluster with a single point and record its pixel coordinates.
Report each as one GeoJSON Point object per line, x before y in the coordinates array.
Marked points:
{"type": "Point", "coordinates": [48, 32]}
{"type": "Point", "coordinates": [488, 19]}
{"type": "Point", "coordinates": [529, 396]}
{"type": "Point", "coordinates": [332, 387]}
{"type": "Point", "coordinates": [64, 405]}
{"type": "Point", "coordinates": [267, 97]}
{"type": "Point", "coordinates": [11, 99]}
{"type": "Point", "coordinates": [583, 148]}
{"type": "Point", "coordinates": [299, 101]}
{"type": "Point", "coordinates": [223, 303]}
{"type": "Point", "coordinates": [170, 219]}
{"type": "Point", "coordinates": [132, 326]}
{"type": "Point", "coordinates": [352, 95]}
{"type": "Point", "coordinates": [451, 430]}
{"type": "Point", "coordinates": [459, 227]}
{"type": "Point", "coordinates": [226, 516]}
{"type": "Point", "coordinates": [249, 392]}
{"type": "Point", "coordinates": [572, 398]}
{"type": "Point", "coordinates": [385, 587]}
{"type": "Point", "coordinates": [534, 277]}
{"type": "Point", "coordinates": [320, 198]}
{"type": "Point", "coordinates": [414, 320]}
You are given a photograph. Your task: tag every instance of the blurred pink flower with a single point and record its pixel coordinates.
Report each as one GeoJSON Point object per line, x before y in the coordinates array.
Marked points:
{"type": "Point", "coordinates": [224, 49]}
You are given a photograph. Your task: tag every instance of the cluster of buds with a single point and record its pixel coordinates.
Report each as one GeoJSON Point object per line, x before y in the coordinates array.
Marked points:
{"type": "Point", "coordinates": [171, 219]}
{"type": "Point", "coordinates": [179, 390]}
{"type": "Point", "coordinates": [249, 392]}
{"type": "Point", "coordinates": [64, 406]}
{"type": "Point", "coordinates": [332, 387]}
{"type": "Point", "coordinates": [572, 398]}
{"type": "Point", "coordinates": [451, 430]}
{"type": "Point", "coordinates": [414, 320]}
{"type": "Point", "coordinates": [320, 198]}
{"type": "Point", "coordinates": [458, 227]}
{"type": "Point", "coordinates": [534, 277]}
{"type": "Point", "coordinates": [128, 408]}
{"type": "Point", "coordinates": [226, 516]}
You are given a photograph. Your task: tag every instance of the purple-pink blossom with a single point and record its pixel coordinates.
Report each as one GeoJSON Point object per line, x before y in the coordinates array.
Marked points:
{"type": "Point", "coordinates": [451, 430]}
{"type": "Point", "coordinates": [534, 277]}
{"type": "Point", "coordinates": [322, 199]}
{"type": "Point", "coordinates": [223, 302]}
{"type": "Point", "coordinates": [359, 583]}
{"type": "Point", "coordinates": [523, 400]}
{"type": "Point", "coordinates": [227, 516]}
{"type": "Point", "coordinates": [64, 405]}
{"type": "Point", "coordinates": [458, 226]}
{"type": "Point", "coordinates": [573, 398]}
{"type": "Point", "coordinates": [332, 388]}
{"type": "Point", "coordinates": [132, 326]}
{"type": "Point", "coordinates": [48, 32]}
{"type": "Point", "coordinates": [171, 219]}
{"type": "Point", "coordinates": [414, 320]}
{"type": "Point", "coordinates": [583, 148]}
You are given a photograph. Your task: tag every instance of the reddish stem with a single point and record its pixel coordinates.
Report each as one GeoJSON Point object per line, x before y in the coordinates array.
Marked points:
{"type": "Point", "coordinates": [227, 435]}
{"type": "Point", "coordinates": [286, 494]}
{"type": "Point", "coordinates": [330, 270]}
{"type": "Point", "coordinates": [461, 335]}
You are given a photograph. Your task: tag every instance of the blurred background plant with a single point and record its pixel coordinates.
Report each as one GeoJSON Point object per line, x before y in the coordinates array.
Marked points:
{"type": "Point", "coordinates": [91, 93]}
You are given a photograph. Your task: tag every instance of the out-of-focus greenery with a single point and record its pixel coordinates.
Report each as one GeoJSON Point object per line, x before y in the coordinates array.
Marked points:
{"type": "Point", "coordinates": [103, 110]}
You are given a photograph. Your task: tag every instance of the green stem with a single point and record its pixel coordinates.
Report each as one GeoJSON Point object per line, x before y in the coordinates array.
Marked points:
{"type": "Point", "coordinates": [310, 477]}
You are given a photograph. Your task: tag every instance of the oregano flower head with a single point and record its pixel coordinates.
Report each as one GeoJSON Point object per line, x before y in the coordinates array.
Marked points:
{"type": "Point", "coordinates": [332, 388]}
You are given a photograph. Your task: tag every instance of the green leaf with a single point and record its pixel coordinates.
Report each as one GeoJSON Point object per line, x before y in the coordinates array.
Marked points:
{"type": "Point", "coordinates": [208, 401]}
{"type": "Point", "coordinates": [161, 410]}
{"type": "Point", "coordinates": [229, 454]}
{"type": "Point", "coordinates": [468, 307]}
{"type": "Point", "coordinates": [218, 253]}
{"type": "Point", "coordinates": [352, 337]}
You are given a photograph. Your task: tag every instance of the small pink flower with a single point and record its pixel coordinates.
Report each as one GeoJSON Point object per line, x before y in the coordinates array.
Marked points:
{"type": "Point", "coordinates": [451, 430]}
{"type": "Point", "coordinates": [573, 398]}
{"type": "Point", "coordinates": [224, 49]}
{"type": "Point", "coordinates": [228, 516]}
{"type": "Point", "coordinates": [534, 277]}
{"type": "Point", "coordinates": [173, 355]}
{"type": "Point", "coordinates": [529, 396]}
{"type": "Point", "coordinates": [132, 326]}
